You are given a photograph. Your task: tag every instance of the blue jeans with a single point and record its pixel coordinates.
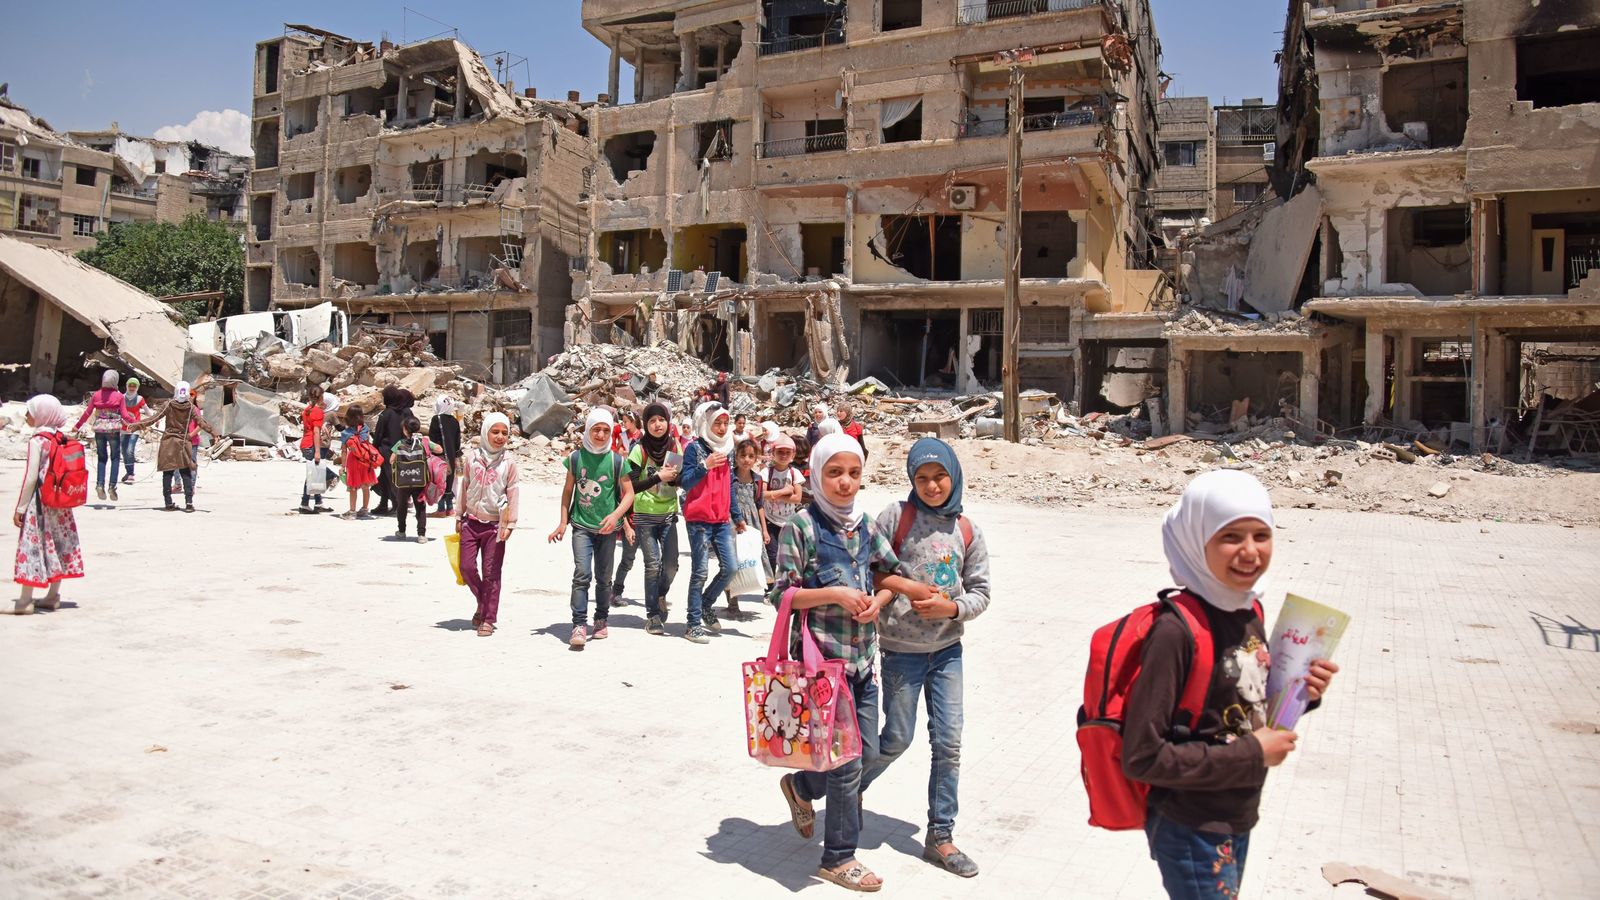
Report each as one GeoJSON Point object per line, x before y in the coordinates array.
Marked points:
{"type": "Point", "coordinates": [660, 546]}
{"type": "Point", "coordinates": [307, 454]}
{"type": "Point", "coordinates": [626, 554]}
{"type": "Point", "coordinates": [1196, 865]}
{"type": "Point", "coordinates": [591, 564]}
{"type": "Point", "coordinates": [906, 678]}
{"type": "Point", "coordinates": [130, 442]}
{"type": "Point", "coordinates": [703, 538]}
{"type": "Point", "coordinates": [840, 789]}
{"type": "Point", "coordinates": [107, 446]}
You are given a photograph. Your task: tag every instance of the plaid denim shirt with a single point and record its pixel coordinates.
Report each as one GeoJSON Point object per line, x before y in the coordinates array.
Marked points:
{"type": "Point", "coordinates": [838, 635]}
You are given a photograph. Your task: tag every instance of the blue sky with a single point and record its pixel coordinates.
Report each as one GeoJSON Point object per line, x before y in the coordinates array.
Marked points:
{"type": "Point", "coordinates": [81, 65]}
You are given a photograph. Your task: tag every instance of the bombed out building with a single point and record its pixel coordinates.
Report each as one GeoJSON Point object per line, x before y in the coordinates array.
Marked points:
{"type": "Point", "coordinates": [410, 187]}
{"type": "Point", "coordinates": [809, 180]}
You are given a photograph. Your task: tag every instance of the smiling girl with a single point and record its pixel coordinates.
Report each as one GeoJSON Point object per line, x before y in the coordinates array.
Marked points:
{"type": "Point", "coordinates": [487, 516]}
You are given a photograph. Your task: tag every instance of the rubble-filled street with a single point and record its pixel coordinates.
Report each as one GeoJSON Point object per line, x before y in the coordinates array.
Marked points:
{"type": "Point", "coordinates": [251, 703]}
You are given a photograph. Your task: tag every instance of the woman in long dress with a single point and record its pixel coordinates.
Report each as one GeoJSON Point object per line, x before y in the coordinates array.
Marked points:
{"type": "Point", "coordinates": [47, 546]}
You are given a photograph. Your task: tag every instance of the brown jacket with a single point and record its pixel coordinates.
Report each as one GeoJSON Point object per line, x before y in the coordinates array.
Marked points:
{"type": "Point", "coordinates": [175, 451]}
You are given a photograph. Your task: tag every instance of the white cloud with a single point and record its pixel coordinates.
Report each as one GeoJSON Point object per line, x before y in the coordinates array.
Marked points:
{"type": "Point", "coordinates": [86, 85]}
{"type": "Point", "coordinates": [228, 129]}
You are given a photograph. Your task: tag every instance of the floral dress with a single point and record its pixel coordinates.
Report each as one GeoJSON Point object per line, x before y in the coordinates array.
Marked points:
{"type": "Point", "coordinates": [47, 548]}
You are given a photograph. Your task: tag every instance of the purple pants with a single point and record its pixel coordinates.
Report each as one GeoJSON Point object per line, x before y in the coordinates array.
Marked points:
{"type": "Point", "coordinates": [480, 537]}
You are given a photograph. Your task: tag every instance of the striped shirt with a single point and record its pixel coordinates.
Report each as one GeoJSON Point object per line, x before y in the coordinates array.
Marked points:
{"type": "Point", "coordinates": [837, 633]}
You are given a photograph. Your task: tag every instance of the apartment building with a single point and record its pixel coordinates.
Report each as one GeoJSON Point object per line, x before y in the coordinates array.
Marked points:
{"type": "Point", "coordinates": [186, 177]}
{"type": "Point", "coordinates": [1244, 148]}
{"type": "Point", "coordinates": [1185, 185]}
{"type": "Point", "coordinates": [804, 180]}
{"type": "Point", "coordinates": [57, 191]}
{"type": "Point", "coordinates": [1454, 144]}
{"type": "Point", "coordinates": [410, 187]}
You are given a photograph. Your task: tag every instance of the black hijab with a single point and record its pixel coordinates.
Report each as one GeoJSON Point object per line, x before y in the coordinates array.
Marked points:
{"type": "Point", "coordinates": [655, 448]}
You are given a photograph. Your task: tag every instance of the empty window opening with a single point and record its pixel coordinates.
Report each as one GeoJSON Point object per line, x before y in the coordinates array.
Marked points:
{"type": "Point", "coordinates": [356, 263]}
{"type": "Point", "coordinates": [1178, 153]}
{"type": "Point", "coordinates": [487, 169]}
{"type": "Point", "coordinates": [267, 145]}
{"type": "Point", "coordinates": [359, 102]}
{"type": "Point", "coordinates": [1248, 192]}
{"type": "Point", "coordinates": [629, 153]}
{"type": "Point", "coordinates": [422, 261]}
{"type": "Point", "coordinates": [800, 24]}
{"type": "Point", "coordinates": [352, 183]}
{"type": "Point", "coordinates": [898, 14]}
{"type": "Point", "coordinates": [84, 226]}
{"type": "Point", "coordinates": [1049, 243]}
{"type": "Point", "coordinates": [1567, 246]}
{"type": "Point", "coordinates": [300, 116]}
{"type": "Point", "coordinates": [258, 287]}
{"type": "Point", "coordinates": [432, 95]}
{"type": "Point", "coordinates": [1559, 69]}
{"type": "Point", "coordinates": [822, 248]}
{"type": "Point", "coordinates": [8, 156]}
{"type": "Point", "coordinates": [476, 256]}
{"type": "Point", "coordinates": [1428, 248]}
{"type": "Point", "coordinates": [717, 49]}
{"type": "Point", "coordinates": [629, 252]}
{"type": "Point", "coordinates": [300, 186]}
{"type": "Point", "coordinates": [916, 348]}
{"type": "Point", "coordinates": [1042, 113]}
{"type": "Point", "coordinates": [784, 341]}
{"type": "Point", "coordinates": [161, 167]}
{"type": "Point", "coordinates": [716, 140]}
{"type": "Point", "coordinates": [269, 80]}
{"type": "Point", "coordinates": [927, 247]}
{"type": "Point", "coordinates": [1427, 101]}
{"type": "Point", "coordinates": [300, 265]}
{"type": "Point", "coordinates": [261, 216]}
{"type": "Point", "coordinates": [901, 119]}
{"type": "Point", "coordinates": [84, 175]}
{"type": "Point", "coordinates": [427, 180]}
{"type": "Point", "coordinates": [712, 248]}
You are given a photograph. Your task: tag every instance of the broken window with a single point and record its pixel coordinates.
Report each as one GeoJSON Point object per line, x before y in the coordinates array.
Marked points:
{"type": "Point", "coordinates": [487, 169]}
{"type": "Point", "coordinates": [352, 183]}
{"type": "Point", "coordinates": [1178, 153]}
{"type": "Point", "coordinates": [475, 256]}
{"type": "Point", "coordinates": [800, 25]}
{"type": "Point", "coordinates": [716, 140]}
{"type": "Point", "coordinates": [427, 180]}
{"type": "Point", "coordinates": [901, 119]}
{"type": "Point", "coordinates": [84, 226]}
{"type": "Point", "coordinates": [37, 214]}
{"type": "Point", "coordinates": [300, 116]}
{"type": "Point", "coordinates": [1428, 249]}
{"type": "Point", "coordinates": [422, 261]}
{"type": "Point", "coordinates": [1559, 69]}
{"type": "Point", "coordinates": [822, 248]}
{"type": "Point", "coordinates": [1427, 101]}
{"type": "Point", "coordinates": [359, 102]}
{"type": "Point", "coordinates": [718, 48]}
{"type": "Point", "coordinates": [267, 145]}
{"type": "Point", "coordinates": [356, 263]}
{"type": "Point", "coordinates": [300, 186]}
{"type": "Point", "coordinates": [8, 156]}
{"type": "Point", "coordinates": [927, 247]}
{"type": "Point", "coordinates": [898, 14]}
{"type": "Point", "coordinates": [1049, 242]}
{"type": "Point", "coordinates": [269, 80]}
{"type": "Point", "coordinates": [84, 175]}
{"type": "Point", "coordinates": [33, 167]}
{"type": "Point", "coordinates": [1248, 192]}
{"type": "Point", "coordinates": [161, 167]}
{"type": "Point", "coordinates": [261, 216]}
{"type": "Point", "coordinates": [629, 153]}
{"type": "Point", "coordinates": [1045, 324]}
{"type": "Point", "coordinates": [300, 265]}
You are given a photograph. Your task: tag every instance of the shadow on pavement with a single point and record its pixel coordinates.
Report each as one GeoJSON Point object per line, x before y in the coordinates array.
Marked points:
{"type": "Point", "coordinates": [456, 625]}
{"type": "Point", "coordinates": [760, 848]}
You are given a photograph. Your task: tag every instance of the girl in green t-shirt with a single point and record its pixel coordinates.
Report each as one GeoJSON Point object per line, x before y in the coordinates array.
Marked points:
{"type": "Point", "coordinates": [593, 502]}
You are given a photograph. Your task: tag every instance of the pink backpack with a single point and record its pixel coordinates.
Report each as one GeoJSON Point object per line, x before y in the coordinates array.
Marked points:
{"type": "Point", "coordinates": [438, 479]}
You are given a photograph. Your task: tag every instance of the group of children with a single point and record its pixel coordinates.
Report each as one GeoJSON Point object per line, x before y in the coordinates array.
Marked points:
{"type": "Point", "coordinates": [889, 596]}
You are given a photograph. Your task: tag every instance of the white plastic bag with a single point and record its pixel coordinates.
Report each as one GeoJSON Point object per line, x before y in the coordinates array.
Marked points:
{"type": "Point", "coordinates": [750, 555]}
{"type": "Point", "coordinates": [317, 477]}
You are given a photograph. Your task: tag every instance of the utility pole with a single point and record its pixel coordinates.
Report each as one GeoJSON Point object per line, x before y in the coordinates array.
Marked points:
{"type": "Point", "coordinates": [1012, 326]}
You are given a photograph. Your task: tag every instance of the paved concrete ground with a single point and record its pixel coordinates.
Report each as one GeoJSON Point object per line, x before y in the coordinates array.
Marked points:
{"type": "Point", "coordinates": [250, 703]}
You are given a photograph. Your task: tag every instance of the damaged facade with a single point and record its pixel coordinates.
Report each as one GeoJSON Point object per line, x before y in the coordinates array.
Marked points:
{"type": "Point", "coordinates": [185, 177]}
{"type": "Point", "coordinates": [1185, 185]}
{"type": "Point", "coordinates": [409, 187]}
{"type": "Point", "coordinates": [1430, 271]}
{"type": "Point", "coordinates": [804, 181]}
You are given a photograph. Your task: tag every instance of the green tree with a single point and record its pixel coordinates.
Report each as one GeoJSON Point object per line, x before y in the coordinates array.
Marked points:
{"type": "Point", "coordinates": [166, 258]}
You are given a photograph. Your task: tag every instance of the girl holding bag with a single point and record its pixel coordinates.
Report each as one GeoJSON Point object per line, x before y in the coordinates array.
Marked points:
{"type": "Point", "coordinates": [487, 516]}
{"type": "Point", "coordinates": [826, 555]}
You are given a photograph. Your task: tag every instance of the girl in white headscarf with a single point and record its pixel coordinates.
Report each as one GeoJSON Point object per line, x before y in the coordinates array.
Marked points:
{"type": "Point", "coordinates": [707, 482]}
{"type": "Point", "coordinates": [175, 455]}
{"type": "Point", "coordinates": [827, 557]}
{"type": "Point", "coordinates": [489, 504]}
{"type": "Point", "coordinates": [596, 498]}
{"type": "Point", "coordinates": [47, 545]}
{"type": "Point", "coordinates": [111, 418]}
{"type": "Point", "coordinates": [445, 430]}
{"type": "Point", "coordinates": [1206, 773]}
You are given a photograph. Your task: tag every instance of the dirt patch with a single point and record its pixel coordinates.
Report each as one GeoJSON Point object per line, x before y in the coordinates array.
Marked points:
{"type": "Point", "coordinates": [1576, 727]}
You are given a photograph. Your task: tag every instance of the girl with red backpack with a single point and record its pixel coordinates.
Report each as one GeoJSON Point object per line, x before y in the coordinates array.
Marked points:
{"type": "Point", "coordinates": [361, 461]}
{"type": "Point", "coordinates": [47, 547]}
{"type": "Point", "coordinates": [1205, 777]}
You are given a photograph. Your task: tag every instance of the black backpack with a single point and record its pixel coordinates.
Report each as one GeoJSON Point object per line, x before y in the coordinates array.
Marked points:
{"type": "Point", "coordinates": [408, 466]}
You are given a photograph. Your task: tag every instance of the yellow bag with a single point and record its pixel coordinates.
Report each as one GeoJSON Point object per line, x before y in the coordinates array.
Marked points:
{"type": "Point", "coordinates": [452, 551]}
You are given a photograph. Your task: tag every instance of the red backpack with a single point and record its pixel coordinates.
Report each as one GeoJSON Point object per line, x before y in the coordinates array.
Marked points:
{"type": "Point", "coordinates": [65, 482]}
{"type": "Point", "coordinates": [1117, 802]}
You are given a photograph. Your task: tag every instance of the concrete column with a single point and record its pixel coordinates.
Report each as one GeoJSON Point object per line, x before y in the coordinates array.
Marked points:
{"type": "Point", "coordinates": [461, 94]}
{"type": "Point", "coordinates": [964, 329]}
{"type": "Point", "coordinates": [850, 238]}
{"type": "Point", "coordinates": [1402, 376]}
{"type": "Point", "coordinates": [688, 50]}
{"type": "Point", "coordinates": [1177, 390]}
{"type": "Point", "coordinates": [638, 75]}
{"type": "Point", "coordinates": [1310, 387]}
{"type": "Point", "coordinates": [1494, 389]}
{"type": "Point", "coordinates": [1476, 389]}
{"type": "Point", "coordinates": [401, 99]}
{"type": "Point", "coordinates": [614, 74]}
{"type": "Point", "coordinates": [1375, 376]}
{"type": "Point", "coordinates": [46, 345]}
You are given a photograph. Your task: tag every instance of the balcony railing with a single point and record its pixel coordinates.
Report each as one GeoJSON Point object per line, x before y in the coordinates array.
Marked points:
{"type": "Point", "coordinates": [803, 41]}
{"type": "Point", "coordinates": [448, 193]}
{"type": "Point", "coordinates": [131, 190]}
{"type": "Point", "coordinates": [1237, 139]}
{"type": "Point", "coordinates": [975, 127]}
{"type": "Point", "coordinates": [821, 143]}
{"type": "Point", "coordinates": [40, 225]}
{"type": "Point", "coordinates": [975, 13]}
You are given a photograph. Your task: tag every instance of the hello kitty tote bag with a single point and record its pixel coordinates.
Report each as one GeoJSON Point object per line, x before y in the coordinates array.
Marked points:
{"type": "Point", "coordinates": [799, 713]}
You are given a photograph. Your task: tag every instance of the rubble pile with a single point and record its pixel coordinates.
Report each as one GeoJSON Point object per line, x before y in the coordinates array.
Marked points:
{"type": "Point", "coordinates": [1202, 321]}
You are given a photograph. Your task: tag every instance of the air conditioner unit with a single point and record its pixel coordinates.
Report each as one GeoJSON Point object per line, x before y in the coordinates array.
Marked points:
{"type": "Point", "coordinates": [964, 196]}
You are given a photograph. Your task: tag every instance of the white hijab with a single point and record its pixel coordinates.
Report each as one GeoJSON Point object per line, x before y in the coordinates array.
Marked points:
{"type": "Point", "coordinates": [181, 392]}
{"type": "Point", "coordinates": [704, 415]}
{"type": "Point", "coordinates": [828, 426]}
{"type": "Point", "coordinates": [1212, 501]}
{"type": "Point", "coordinates": [445, 405]}
{"type": "Point", "coordinates": [827, 447]}
{"type": "Point", "coordinates": [597, 416]}
{"type": "Point", "coordinates": [48, 413]}
{"type": "Point", "coordinates": [490, 457]}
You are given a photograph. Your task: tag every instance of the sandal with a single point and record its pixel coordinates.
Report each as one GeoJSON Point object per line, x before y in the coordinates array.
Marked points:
{"type": "Point", "coordinates": [852, 877]}
{"type": "Point", "coordinates": [801, 813]}
{"type": "Point", "coordinates": [485, 629]}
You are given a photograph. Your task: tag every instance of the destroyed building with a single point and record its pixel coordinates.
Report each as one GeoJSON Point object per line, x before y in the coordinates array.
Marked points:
{"type": "Point", "coordinates": [185, 177]}
{"type": "Point", "coordinates": [823, 183]}
{"type": "Point", "coordinates": [1429, 271]}
{"type": "Point", "coordinates": [410, 187]}
{"type": "Point", "coordinates": [1183, 197]}
{"type": "Point", "coordinates": [1245, 135]}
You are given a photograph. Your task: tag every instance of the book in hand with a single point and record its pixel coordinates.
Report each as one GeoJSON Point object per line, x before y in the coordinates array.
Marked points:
{"type": "Point", "coordinates": [671, 459]}
{"type": "Point", "coordinates": [1305, 631]}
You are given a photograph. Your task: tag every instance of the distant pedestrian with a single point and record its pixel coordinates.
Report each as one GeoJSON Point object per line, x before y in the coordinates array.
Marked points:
{"type": "Point", "coordinates": [385, 434]}
{"type": "Point", "coordinates": [708, 516]}
{"type": "Point", "coordinates": [594, 501]}
{"type": "Point", "coordinates": [783, 495]}
{"type": "Point", "coordinates": [410, 449]}
{"type": "Point", "coordinates": [720, 389]}
{"type": "Point", "coordinates": [136, 406]}
{"type": "Point", "coordinates": [851, 426]}
{"type": "Point", "coordinates": [111, 418]}
{"type": "Point", "coordinates": [445, 430]}
{"type": "Point", "coordinates": [47, 542]}
{"type": "Point", "coordinates": [819, 414]}
{"type": "Point", "coordinates": [360, 461]}
{"type": "Point", "coordinates": [175, 456]}
{"type": "Point", "coordinates": [749, 500]}
{"type": "Point", "coordinates": [312, 419]}
{"type": "Point", "coordinates": [488, 515]}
